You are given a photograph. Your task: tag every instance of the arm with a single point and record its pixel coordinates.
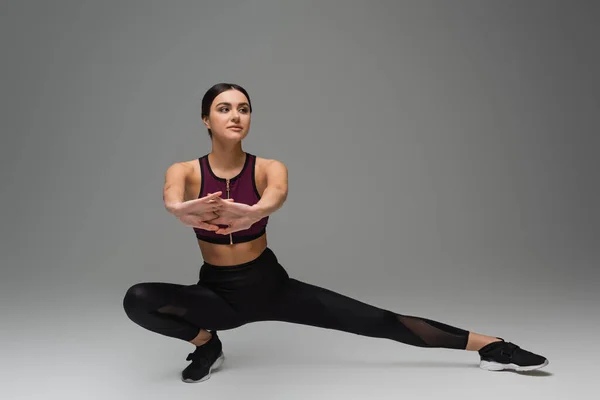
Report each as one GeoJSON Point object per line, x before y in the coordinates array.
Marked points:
{"type": "Point", "coordinates": [174, 187]}
{"type": "Point", "coordinates": [276, 191]}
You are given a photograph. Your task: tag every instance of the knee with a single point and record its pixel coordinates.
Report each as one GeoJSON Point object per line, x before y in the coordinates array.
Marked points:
{"type": "Point", "coordinates": [135, 299]}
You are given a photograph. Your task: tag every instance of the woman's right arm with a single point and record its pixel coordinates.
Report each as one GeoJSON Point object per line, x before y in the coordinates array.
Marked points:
{"type": "Point", "coordinates": [176, 178]}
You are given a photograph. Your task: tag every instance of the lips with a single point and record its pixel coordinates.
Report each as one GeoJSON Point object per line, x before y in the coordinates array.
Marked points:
{"type": "Point", "coordinates": [235, 127]}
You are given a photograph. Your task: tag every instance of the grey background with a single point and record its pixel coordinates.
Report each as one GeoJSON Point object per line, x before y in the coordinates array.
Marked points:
{"type": "Point", "coordinates": [442, 162]}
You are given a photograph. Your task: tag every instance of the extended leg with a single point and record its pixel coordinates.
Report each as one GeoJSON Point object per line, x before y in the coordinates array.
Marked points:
{"type": "Point", "coordinates": [306, 304]}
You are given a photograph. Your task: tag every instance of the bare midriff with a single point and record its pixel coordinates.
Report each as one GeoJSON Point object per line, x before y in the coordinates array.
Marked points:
{"type": "Point", "coordinates": [232, 254]}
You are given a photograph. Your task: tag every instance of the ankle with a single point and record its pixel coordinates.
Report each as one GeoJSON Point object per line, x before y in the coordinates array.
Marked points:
{"type": "Point", "coordinates": [477, 341]}
{"type": "Point", "coordinates": [202, 338]}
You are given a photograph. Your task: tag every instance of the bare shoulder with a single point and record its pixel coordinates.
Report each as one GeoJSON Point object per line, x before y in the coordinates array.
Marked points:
{"type": "Point", "coordinates": [272, 171]}
{"type": "Point", "coordinates": [187, 172]}
{"type": "Point", "coordinates": [266, 165]}
{"type": "Point", "coordinates": [186, 168]}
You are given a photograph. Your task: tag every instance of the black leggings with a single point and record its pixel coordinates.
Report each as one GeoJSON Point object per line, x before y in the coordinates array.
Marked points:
{"type": "Point", "coordinates": [261, 290]}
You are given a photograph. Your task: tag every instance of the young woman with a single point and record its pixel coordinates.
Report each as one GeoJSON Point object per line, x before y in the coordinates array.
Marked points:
{"type": "Point", "coordinates": [227, 197]}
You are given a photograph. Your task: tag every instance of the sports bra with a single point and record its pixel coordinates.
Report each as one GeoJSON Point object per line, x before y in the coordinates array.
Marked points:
{"type": "Point", "coordinates": [242, 188]}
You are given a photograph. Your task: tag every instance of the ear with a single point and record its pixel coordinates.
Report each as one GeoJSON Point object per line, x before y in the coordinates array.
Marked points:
{"type": "Point", "coordinates": [206, 122]}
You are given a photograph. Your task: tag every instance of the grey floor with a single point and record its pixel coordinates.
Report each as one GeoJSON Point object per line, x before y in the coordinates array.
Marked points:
{"type": "Point", "coordinates": [99, 354]}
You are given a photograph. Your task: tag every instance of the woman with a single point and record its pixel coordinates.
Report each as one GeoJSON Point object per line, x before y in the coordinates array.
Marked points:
{"type": "Point", "coordinates": [227, 197]}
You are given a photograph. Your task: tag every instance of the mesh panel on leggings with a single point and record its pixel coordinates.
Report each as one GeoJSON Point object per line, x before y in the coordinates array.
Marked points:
{"type": "Point", "coordinates": [436, 334]}
{"type": "Point", "coordinates": [173, 310]}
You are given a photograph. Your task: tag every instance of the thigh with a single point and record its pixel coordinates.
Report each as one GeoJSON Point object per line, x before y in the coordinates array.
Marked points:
{"type": "Point", "coordinates": [302, 303]}
{"type": "Point", "coordinates": [195, 303]}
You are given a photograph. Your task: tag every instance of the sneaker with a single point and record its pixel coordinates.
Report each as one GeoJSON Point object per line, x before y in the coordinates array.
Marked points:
{"type": "Point", "coordinates": [205, 359]}
{"type": "Point", "coordinates": [498, 356]}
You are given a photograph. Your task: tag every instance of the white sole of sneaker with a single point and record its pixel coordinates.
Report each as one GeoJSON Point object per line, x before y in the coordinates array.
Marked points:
{"type": "Point", "coordinates": [494, 366]}
{"type": "Point", "coordinates": [216, 365]}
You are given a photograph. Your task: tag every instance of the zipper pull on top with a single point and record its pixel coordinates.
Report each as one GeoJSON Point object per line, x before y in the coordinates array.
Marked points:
{"type": "Point", "coordinates": [230, 236]}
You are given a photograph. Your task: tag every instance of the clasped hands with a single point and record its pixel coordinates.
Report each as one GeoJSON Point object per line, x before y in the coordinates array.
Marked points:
{"type": "Point", "coordinates": [211, 210]}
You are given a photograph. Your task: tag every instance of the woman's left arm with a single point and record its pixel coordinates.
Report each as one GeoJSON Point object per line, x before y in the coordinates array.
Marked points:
{"type": "Point", "coordinates": [275, 194]}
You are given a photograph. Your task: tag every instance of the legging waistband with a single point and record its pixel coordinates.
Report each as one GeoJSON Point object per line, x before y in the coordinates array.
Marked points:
{"type": "Point", "coordinates": [266, 256]}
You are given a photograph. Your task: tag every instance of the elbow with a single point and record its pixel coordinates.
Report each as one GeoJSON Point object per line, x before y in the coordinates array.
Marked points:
{"type": "Point", "coordinates": [283, 193]}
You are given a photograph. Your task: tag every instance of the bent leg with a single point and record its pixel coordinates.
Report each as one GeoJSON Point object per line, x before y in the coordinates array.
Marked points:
{"type": "Point", "coordinates": [307, 304]}
{"type": "Point", "coordinates": [178, 311]}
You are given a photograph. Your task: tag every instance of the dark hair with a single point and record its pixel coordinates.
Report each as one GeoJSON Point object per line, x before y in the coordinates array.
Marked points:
{"type": "Point", "coordinates": [216, 90]}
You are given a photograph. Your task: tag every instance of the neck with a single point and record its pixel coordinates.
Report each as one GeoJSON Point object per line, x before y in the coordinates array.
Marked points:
{"type": "Point", "coordinates": [226, 156]}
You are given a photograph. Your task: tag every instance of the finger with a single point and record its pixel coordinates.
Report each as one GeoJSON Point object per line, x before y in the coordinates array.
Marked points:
{"type": "Point", "coordinates": [209, 207]}
{"type": "Point", "coordinates": [221, 221]}
{"type": "Point", "coordinates": [204, 223]}
{"type": "Point", "coordinates": [201, 225]}
{"type": "Point", "coordinates": [222, 200]}
{"type": "Point", "coordinates": [229, 215]}
{"type": "Point", "coordinates": [203, 211]}
{"type": "Point", "coordinates": [208, 227]}
{"type": "Point", "coordinates": [186, 205]}
{"type": "Point", "coordinates": [210, 218]}
{"type": "Point", "coordinates": [226, 203]}
{"type": "Point", "coordinates": [211, 196]}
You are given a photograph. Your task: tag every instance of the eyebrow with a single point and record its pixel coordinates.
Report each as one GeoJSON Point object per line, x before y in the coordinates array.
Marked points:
{"type": "Point", "coordinates": [228, 104]}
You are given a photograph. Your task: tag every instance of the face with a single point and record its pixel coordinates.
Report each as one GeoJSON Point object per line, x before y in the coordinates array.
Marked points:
{"type": "Point", "coordinates": [228, 111]}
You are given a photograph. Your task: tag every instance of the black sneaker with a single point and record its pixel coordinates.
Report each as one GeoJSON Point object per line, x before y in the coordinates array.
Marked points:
{"type": "Point", "coordinates": [205, 359]}
{"type": "Point", "coordinates": [498, 356]}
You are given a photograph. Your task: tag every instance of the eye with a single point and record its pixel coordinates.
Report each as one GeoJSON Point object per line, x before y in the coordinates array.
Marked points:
{"type": "Point", "coordinates": [243, 110]}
